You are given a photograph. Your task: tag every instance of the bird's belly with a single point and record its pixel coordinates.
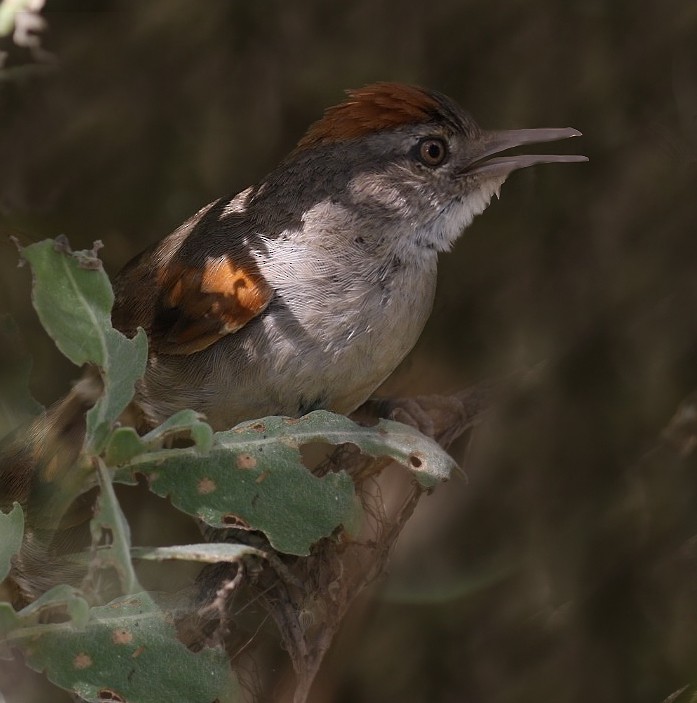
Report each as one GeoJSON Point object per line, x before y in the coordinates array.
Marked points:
{"type": "Point", "coordinates": [291, 374]}
{"type": "Point", "coordinates": [289, 362]}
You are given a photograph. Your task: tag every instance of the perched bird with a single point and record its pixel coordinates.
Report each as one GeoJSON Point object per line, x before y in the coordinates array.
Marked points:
{"type": "Point", "coordinates": [303, 291]}
{"type": "Point", "coordinates": [307, 289]}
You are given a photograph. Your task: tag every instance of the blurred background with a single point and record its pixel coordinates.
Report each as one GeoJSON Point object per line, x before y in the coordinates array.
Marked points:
{"type": "Point", "coordinates": [565, 568]}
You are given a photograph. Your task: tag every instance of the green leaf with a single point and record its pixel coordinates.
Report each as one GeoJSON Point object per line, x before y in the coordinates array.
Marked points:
{"type": "Point", "coordinates": [424, 457]}
{"type": "Point", "coordinates": [128, 649]}
{"type": "Point", "coordinates": [62, 596]}
{"type": "Point", "coordinates": [183, 422]}
{"type": "Point", "coordinates": [254, 476]}
{"type": "Point", "coordinates": [60, 600]}
{"type": "Point", "coordinates": [252, 479]}
{"type": "Point", "coordinates": [73, 298]}
{"type": "Point", "coordinates": [110, 519]}
{"type": "Point", "coordinates": [9, 620]}
{"type": "Point", "coordinates": [277, 495]}
{"type": "Point", "coordinates": [123, 365]}
{"type": "Point", "coordinates": [11, 533]}
{"type": "Point", "coordinates": [124, 444]}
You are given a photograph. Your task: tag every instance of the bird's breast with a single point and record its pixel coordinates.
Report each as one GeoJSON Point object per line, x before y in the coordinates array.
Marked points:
{"type": "Point", "coordinates": [330, 336]}
{"type": "Point", "coordinates": [340, 333]}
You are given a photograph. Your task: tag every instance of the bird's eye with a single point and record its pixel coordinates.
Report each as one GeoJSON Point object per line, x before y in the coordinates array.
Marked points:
{"type": "Point", "coordinates": [432, 152]}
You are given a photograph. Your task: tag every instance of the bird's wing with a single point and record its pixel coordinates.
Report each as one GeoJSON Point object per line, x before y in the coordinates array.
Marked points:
{"type": "Point", "coordinates": [200, 304]}
{"type": "Point", "coordinates": [196, 286]}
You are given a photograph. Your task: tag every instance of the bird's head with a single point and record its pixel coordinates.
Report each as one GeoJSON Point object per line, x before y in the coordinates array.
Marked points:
{"type": "Point", "coordinates": [404, 154]}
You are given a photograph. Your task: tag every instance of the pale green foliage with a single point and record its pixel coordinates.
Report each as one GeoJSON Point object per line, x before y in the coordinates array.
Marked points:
{"type": "Point", "coordinates": [73, 298]}
{"type": "Point", "coordinates": [254, 475]}
{"type": "Point", "coordinates": [128, 647]}
{"type": "Point", "coordinates": [251, 476]}
{"type": "Point", "coordinates": [11, 532]}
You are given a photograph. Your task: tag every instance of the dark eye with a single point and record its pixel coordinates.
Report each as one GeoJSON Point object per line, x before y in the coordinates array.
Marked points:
{"type": "Point", "coordinates": [432, 152]}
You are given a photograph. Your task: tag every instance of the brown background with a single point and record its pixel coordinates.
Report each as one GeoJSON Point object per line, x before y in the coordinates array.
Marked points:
{"type": "Point", "coordinates": [566, 569]}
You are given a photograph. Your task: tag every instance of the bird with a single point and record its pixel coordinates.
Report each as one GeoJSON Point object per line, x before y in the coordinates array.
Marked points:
{"type": "Point", "coordinates": [307, 289]}
{"type": "Point", "coordinates": [304, 291]}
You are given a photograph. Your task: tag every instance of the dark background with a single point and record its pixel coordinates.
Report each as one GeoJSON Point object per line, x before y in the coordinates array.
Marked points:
{"type": "Point", "coordinates": [566, 568]}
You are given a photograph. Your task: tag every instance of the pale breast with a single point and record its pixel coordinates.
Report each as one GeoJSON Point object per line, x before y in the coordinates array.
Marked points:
{"type": "Point", "coordinates": [328, 339]}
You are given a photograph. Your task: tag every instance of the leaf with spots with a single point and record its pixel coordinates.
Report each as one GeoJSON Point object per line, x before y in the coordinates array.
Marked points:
{"type": "Point", "coordinates": [254, 476]}
{"type": "Point", "coordinates": [126, 650]}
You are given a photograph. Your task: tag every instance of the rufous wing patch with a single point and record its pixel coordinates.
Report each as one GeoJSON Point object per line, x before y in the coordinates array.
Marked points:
{"type": "Point", "coordinates": [372, 108]}
{"type": "Point", "coordinates": [199, 305]}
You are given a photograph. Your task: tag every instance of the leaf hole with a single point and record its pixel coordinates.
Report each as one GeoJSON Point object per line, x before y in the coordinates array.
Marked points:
{"type": "Point", "coordinates": [314, 454]}
{"type": "Point", "coordinates": [415, 461]}
{"type": "Point", "coordinates": [231, 520]}
{"type": "Point", "coordinates": [54, 613]}
{"type": "Point", "coordinates": [106, 539]}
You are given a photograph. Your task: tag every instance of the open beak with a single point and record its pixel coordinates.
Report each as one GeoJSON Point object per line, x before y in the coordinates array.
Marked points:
{"type": "Point", "coordinates": [496, 142]}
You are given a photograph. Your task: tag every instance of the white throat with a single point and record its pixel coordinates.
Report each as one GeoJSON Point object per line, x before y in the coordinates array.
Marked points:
{"type": "Point", "coordinates": [442, 232]}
